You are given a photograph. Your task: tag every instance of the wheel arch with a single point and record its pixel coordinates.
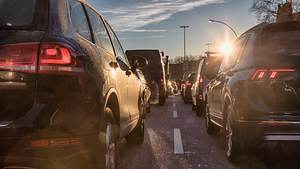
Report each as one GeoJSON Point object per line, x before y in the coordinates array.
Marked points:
{"type": "Point", "coordinates": [112, 101]}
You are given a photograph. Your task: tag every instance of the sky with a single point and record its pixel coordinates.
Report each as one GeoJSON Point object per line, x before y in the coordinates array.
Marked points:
{"type": "Point", "coordinates": [154, 24]}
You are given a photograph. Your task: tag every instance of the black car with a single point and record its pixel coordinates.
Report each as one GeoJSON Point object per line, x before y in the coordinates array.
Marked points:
{"type": "Point", "coordinates": [64, 84]}
{"type": "Point", "coordinates": [208, 68]}
{"type": "Point", "coordinates": [255, 96]}
{"type": "Point", "coordinates": [154, 73]}
{"type": "Point", "coordinates": [187, 88]}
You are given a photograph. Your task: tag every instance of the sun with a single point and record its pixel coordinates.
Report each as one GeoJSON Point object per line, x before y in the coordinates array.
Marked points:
{"type": "Point", "coordinates": [226, 49]}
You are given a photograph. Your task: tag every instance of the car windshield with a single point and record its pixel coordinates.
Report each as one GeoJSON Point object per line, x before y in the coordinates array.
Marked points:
{"type": "Point", "coordinates": [149, 84]}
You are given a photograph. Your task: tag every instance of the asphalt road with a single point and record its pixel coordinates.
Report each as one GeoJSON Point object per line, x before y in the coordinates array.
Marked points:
{"type": "Point", "coordinates": [175, 138]}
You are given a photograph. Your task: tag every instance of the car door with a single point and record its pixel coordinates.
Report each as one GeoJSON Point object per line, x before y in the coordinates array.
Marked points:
{"type": "Point", "coordinates": [116, 75]}
{"type": "Point", "coordinates": [219, 85]}
{"type": "Point", "coordinates": [133, 83]}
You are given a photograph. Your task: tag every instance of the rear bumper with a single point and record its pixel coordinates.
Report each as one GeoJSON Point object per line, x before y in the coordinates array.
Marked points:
{"type": "Point", "coordinates": [268, 130]}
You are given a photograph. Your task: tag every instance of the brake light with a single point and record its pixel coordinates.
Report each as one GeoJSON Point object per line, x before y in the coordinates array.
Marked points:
{"type": "Point", "coordinates": [188, 83]}
{"type": "Point", "coordinates": [261, 74]}
{"type": "Point", "coordinates": [53, 58]}
{"type": "Point", "coordinates": [58, 58]}
{"type": "Point", "coordinates": [19, 57]}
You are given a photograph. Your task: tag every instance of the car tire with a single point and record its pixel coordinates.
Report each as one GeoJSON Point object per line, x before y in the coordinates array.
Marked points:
{"type": "Point", "coordinates": [193, 107]}
{"type": "Point", "coordinates": [233, 146]}
{"type": "Point", "coordinates": [109, 142]}
{"type": "Point", "coordinates": [162, 100]}
{"type": "Point", "coordinates": [211, 128]}
{"type": "Point", "coordinates": [200, 109]}
{"type": "Point", "coordinates": [137, 134]}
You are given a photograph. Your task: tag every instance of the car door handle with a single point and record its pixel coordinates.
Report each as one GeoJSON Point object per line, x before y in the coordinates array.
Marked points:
{"type": "Point", "coordinates": [113, 64]}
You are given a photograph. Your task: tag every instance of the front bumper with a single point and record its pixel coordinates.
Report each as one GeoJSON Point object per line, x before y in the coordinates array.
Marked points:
{"type": "Point", "coordinates": [268, 130]}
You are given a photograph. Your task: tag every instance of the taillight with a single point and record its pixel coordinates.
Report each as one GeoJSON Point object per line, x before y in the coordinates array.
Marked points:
{"type": "Point", "coordinates": [53, 58]}
{"type": "Point", "coordinates": [19, 57]}
{"type": "Point", "coordinates": [188, 83]}
{"type": "Point", "coordinates": [269, 74]}
{"type": "Point", "coordinates": [58, 58]}
{"type": "Point", "coordinates": [55, 142]}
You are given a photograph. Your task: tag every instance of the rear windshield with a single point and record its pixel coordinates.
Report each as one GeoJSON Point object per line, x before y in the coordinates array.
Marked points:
{"type": "Point", "coordinates": [211, 66]}
{"type": "Point", "coordinates": [23, 14]}
{"type": "Point", "coordinates": [154, 60]}
{"type": "Point", "coordinates": [280, 49]}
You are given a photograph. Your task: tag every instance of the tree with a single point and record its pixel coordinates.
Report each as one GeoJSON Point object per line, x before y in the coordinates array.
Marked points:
{"type": "Point", "coordinates": [266, 10]}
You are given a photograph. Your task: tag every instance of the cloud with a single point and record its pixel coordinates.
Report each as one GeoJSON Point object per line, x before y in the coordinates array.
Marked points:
{"type": "Point", "coordinates": [133, 15]}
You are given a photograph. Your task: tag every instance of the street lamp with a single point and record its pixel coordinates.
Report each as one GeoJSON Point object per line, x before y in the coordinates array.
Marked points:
{"type": "Point", "coordinates": [223, 23]}
{"type": "Point", "coordinates": [184, 27]}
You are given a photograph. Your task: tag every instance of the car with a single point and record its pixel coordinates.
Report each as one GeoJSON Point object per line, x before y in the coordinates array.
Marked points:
{"type": "Point", "coordinates": [187, 87]}
{"type": "Point", "coordinates": [65, 84]}
{"type": "Point", "coordinates": [154, 73]}
{"type": "Point", "coordinates": [255, 96]}
{"type": "Point", "coordinates": [146, 92]}
{"type": "Point", "coordinates": [175, 87]}
{"type": "Point", "coordinates": [170, 88]}
{"type": "Point", "coordinates": [208, 68]}
{"type": "Point", "coordinates": [182, 82]}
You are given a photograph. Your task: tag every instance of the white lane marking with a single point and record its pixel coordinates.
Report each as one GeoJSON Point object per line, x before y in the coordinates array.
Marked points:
{"type": "Point", "coordinates": [175, 114]}
{"type": "Point", "coordinates": [178, 147]}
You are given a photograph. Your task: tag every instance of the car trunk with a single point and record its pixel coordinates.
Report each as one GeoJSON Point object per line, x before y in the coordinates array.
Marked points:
{"type": "Point", "coordinates": [22, 26]}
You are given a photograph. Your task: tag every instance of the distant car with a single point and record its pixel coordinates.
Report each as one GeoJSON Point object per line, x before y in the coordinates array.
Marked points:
{"type": "Point", "coordinates": [170, 88]}
{"type": "Point", "coordinates": [154, 73]}
{"type": "Point", "coordinates": [207, 70]}
{"type": "Point", "coordinates": [182, 84]}
{"type": "Point", "coordinates": [68, 92]}
{"type": "Point", "coordinates": [187, 88]}
{"type": "Point", "coordinates": [175, 87]}
{"type": "Point", "coordinates": [255, 96]}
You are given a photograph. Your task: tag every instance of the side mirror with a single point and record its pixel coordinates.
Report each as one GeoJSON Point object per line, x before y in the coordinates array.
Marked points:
{"type": "Point", "coordinates": [139, 62]}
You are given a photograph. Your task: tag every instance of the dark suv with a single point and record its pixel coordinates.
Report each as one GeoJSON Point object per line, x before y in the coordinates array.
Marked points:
{"type": "Point", "coordinates": [68, 93]}
{"type": "Point", "coordinates": [208, 68]}
{"type": "Point", "coordinates": [154, 73]}
{"type": "Point", "coordinates": [255, 96]}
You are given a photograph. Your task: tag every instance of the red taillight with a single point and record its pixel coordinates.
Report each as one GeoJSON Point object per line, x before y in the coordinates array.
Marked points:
{"type": "Point", "coordinates": [188, 83]}
{"type": "Point", "coordinates": [53, 58]}
{"type": "Point", "coordinates": [55, 54]}
{"type": "Point", "coordinates": [19, 57]}
{"type": "Point", "coordinates": [270, 74]}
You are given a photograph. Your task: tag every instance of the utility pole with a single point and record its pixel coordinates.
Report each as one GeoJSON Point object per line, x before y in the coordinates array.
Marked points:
{"type": "Point", "coordinates": [184, 27]}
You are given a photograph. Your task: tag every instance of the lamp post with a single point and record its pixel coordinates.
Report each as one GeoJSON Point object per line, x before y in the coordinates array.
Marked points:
{"type": "Point", "coordinates": [223, 23]}
{"type": "Point", "coordinates": [184, 27]}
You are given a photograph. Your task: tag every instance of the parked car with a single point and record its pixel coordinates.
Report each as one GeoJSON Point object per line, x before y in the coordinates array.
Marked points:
{"type": "Point", "coordinates": [187, 92]}
{"type": "Point", "coordinates": [68, 92]}
{"type": "Point", "coordinates": [255, 96]}
{"type": "Point", "coordinates": [207, 70]}
{"type": "Point", "coordinates": [154, 73]}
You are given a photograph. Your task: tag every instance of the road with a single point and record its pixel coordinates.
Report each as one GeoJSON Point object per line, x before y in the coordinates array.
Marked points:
{"type": "Point", "coordinates": [175, 138]}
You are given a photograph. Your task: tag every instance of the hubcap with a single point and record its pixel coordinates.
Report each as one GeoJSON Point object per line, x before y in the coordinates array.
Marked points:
{"type": "Point", "coordinates": [110, 156]}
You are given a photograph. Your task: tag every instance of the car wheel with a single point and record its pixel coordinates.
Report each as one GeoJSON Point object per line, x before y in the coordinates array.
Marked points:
{"type": "Point", "coordinates": [137, 134]}
{"type": "Point", "coordinates": [200, 109]}
{"type": "Point", "coordinates": [211, 128]}
{"type": "Point", "coordinates": [233, 147]}
{"type": "Point", "coordinates": [162, 100]}
{"type": "Point", "coordinates": [109, 153]}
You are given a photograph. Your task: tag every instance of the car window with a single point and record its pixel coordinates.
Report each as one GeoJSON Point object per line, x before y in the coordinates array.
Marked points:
{"type": "Point", "coordinates": [117, 46]}
{"type": "Point", "coordinates": [230, 60]}
{"type": "Point", "coordinates": [79, 20]}
{"type": "Point", "coordinates": [101, 36]}
{"type": "Point", "coordinates": [29, 14]}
